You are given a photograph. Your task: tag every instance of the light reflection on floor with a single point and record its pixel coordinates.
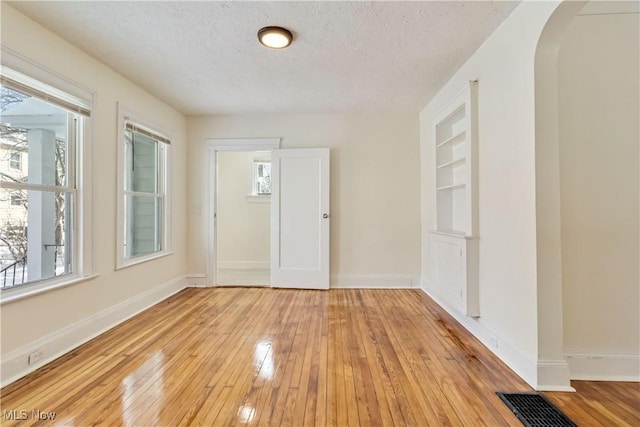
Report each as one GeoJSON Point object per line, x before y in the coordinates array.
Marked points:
{"type": "Point", "coordinates": [263, 360]}
{"type": "Point", "coordinates": [246, 414]}
{"type": "Point", "coordinates": [140, 393]}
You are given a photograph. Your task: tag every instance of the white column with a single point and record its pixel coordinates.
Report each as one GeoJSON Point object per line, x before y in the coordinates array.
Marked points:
{"type": "Point", "coordinates": [42, 206]}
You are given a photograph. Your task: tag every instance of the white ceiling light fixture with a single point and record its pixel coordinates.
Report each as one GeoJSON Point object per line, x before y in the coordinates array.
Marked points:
{"type": "Point", "coordinates": [275, 37]}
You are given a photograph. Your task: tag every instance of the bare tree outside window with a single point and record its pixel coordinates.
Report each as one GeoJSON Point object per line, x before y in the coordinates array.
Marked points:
{"type": "Point", "coordinates": [15, 168]}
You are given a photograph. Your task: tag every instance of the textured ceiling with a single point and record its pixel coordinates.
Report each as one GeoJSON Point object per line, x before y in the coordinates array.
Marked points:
{"type": "Point", "coordinates": [347, 57]}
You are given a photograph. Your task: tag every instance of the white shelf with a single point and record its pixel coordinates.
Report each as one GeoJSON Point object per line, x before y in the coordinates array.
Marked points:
{"type": "Point", "coordinates": [454, 242]}
{"type": "Point", "coordinates": [453, 140]}
{"type": "Point", "coordinates": [453, 163]}
{"type": "Point", "coordinates": [453, 233]}
{"type": "Point", "coordinates": [451, 187]}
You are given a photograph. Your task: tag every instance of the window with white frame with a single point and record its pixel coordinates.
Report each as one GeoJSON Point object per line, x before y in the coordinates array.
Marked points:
{"type": "Point", "coordinates": [143, 212]}
{"type": "Point", "coordinates": [15, 161]}
{"type": "Point", "coordinates": [261, 177]}
{"type": "Point", "coordinates": [18, 198]}
{"type": "Point", "coordinates": [42, 126]}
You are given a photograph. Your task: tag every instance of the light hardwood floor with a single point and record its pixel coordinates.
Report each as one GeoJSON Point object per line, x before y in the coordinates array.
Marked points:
{"type": "Point", "coordinates": [236, 356]}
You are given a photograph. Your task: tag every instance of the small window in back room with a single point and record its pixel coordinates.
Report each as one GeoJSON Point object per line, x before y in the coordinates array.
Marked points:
{"type": "Point", "coordinates": [261, 177]}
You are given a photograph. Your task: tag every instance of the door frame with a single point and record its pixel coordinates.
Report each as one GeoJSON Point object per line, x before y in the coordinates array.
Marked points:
{"type": "Point", "coordinates": [213, 146]}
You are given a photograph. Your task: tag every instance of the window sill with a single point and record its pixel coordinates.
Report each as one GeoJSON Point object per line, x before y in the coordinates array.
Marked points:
{"type": "Point", "coordinates": [30, 290]}
{"type": "Point", "coordinates": [259, 198]}
{"type": "Point", "coordinates": [126, 263]}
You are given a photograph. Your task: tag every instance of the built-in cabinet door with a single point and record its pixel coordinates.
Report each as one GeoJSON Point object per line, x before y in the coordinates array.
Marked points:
{"type": "Point", "coordinates": [300, 218]}
{"type": "Point", "coordinates": [455, 271]}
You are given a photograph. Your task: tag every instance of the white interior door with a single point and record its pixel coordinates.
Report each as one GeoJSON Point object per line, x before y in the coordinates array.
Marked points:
{"type": "Point", "coordinates": [300, 218]}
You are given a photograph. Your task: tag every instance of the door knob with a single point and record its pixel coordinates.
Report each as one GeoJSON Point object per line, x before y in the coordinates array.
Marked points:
{"type": "Point", "coordinates": [325, 215]}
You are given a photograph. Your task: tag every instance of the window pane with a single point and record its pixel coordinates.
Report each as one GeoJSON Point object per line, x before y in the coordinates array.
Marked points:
{"type": "Point", "coordinates": [143, 219]}
{"type": "Point", "coordinates": [35, 238]}
{"type": "Point", "coordinates": [15, 160]}
{"type": "Point", "coordinates": [33, 140]}
{"type": "Point", "coordinates": [262, 177]}
{"type": "Point", "coordinates": [141, 163]}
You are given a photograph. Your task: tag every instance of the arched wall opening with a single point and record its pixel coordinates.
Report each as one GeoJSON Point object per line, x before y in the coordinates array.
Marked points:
{"type": "Point", "coordinates": [586, 66]}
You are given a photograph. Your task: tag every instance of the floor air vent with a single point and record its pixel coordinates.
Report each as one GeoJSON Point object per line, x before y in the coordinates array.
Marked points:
{"type": "Point", "coordinates": [534, 410]}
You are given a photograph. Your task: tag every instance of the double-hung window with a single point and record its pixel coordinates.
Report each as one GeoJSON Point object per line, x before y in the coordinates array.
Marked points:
{"type": "Point", "coordinates": [15, 161]}
{"type": "Point", "coordinates": [143, 211]}
{"type": "Point", "coordinates": [41, 197]}
{"type": "Point", "coordinates": [260, 178]}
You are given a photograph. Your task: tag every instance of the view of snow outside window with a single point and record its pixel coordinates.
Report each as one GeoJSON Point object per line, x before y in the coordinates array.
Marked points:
{"type": "Point", "coordinates": [37, 189]}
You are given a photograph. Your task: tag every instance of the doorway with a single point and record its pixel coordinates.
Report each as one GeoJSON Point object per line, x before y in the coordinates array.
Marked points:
{"type": "Point", "coordinates": [299, 214]}
{"type": "Point", "coordinates": [238, 266]}
{"type": "Point", "coordinates": [243, 218]}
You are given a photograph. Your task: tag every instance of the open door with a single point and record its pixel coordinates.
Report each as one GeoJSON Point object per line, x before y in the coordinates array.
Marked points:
{"type": "Point", "coordinates": [300, 218]}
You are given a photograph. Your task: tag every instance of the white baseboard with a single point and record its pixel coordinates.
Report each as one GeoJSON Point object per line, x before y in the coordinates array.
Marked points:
{"type": "Point", "coordinates": [15, 365]}
{"type": "Point", "coordinates": [553, 375]}
{"type": "Point", "coordinates": [197, 280]}
{"type": "Point", "coordinates": [383, 281]}
{"type": "Point", "coordinates": [543, 375]}
{"type": "Point", "coordinates": [600, 366]}
{"type": "Point", "coordinates": [244, 265]}
{"type": "Point", "coordinates": [512, 357]}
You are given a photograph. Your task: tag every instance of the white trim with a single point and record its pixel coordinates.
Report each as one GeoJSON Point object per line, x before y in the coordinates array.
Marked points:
{"type": "Point", "coordinates": [80, 179]}
{"type": "Point", "coordinates": [243, 144]}
{"type": "Point", "coordinates": [603, 366]}
{"type": "Point", "coordinates": [259, 198]}
{"type": "Point", "coordinates": [36, 288]}
{"type": "Point", "coordinates": [142, 258]}
{"type": "Point", "coordinates": [522, 365]}
{"type": "Point", "coordinates": [553, 375]}
{"type": "Point", "coordinates": [244, 265]}
{"type": "Point", "coordinates": [209, 197]}
{"type": "Point", "coordinates": [14, 364]}
{"type": "Point", "coordinates": [369, 281]}
{"type": "Point", "coordinates": [197, 280]}
{"type": "Point", "coordinates": [564, 388]}
{"type": "Point", "coordinates": [48, 77]}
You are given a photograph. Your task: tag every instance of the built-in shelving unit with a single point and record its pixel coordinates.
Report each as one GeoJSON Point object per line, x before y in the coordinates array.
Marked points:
{"type": "Point", "coordinates": [455, 240]}
{"type": "Point", "coordinates": [455, 133]}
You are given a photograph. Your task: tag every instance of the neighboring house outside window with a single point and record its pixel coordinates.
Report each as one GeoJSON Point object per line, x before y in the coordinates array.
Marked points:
{"type": "Point", "coordinates": [41, 136]}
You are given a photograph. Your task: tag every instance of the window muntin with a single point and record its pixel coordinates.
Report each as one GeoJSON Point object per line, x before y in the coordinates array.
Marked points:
{"type": "Point", "coordinates": [145, 159]}
{"type": "Point", "coordinates": [41, 192]}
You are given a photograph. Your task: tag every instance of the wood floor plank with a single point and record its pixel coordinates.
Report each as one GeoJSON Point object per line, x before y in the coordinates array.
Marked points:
{"type": "Point", "coordinates": [280, 357]}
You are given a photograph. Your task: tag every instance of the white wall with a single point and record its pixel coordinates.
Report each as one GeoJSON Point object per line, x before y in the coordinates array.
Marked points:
{"type": "Point", "coordinates": [244, 227]}
{"type": "Point", "coordinates": [36, 317]}
{"type": "Point", "coordinates": [374, 187]}
{"type": "Point", "coordinates": [599, 137]}
{"type": "Point", "coordinates": [504, 66]}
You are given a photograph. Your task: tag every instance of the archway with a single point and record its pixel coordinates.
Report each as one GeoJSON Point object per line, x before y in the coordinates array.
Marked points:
{"type": "Point", "coordinates": [553, 368]}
